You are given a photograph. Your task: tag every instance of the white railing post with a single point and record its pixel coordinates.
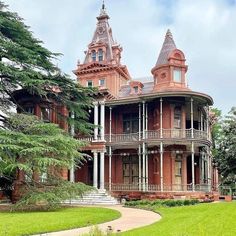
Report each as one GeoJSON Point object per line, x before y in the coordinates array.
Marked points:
{"type": "Point", "coordinates": [102, 120]}
{"type": "Point", "coordinates": [144, 167]}
{"type": "Point", "coordinates": [143, 119]}
{"type": "Point", "coordinates": [101, 170]}
{"type": "Point", "coordinates": [139, 168]}
{"type": "Point", "coordinates": [139, 122]}
{"type": "Point", "coordinates": [110, 123]}
{"type": "Point", "coordinates": [146, 123]}
{"type": "Point", "coordinates": [110, 174]}
{"type": "Point", "coordinates": [207, 123]}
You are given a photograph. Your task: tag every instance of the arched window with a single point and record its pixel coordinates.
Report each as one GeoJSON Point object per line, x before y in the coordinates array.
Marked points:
{"type": "Point", "coordinates": [93, 55]}
{"type": "Point", "coordinates": [177, 117]}
{"type": "Point", "coordinates": [100, 55]}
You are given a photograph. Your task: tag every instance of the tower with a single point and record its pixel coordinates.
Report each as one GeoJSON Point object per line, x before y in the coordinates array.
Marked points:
{"type": "Point", "coordinates": [102, 66]}
{"type": "Point", "coordinates": [170, 69]}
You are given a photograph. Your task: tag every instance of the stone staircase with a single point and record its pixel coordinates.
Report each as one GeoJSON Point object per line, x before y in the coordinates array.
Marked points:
{"type": "Point", "coordinates": [99, 197]}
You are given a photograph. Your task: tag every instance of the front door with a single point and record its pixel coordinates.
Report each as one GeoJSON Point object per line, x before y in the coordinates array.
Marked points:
{"type": "Point", "coordinates": [178, 174]}
{"type": "Point", "coordinates": [130, 169]}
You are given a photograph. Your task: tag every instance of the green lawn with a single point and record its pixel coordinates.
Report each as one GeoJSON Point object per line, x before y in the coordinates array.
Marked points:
{"type": "Point", "coordinates": [12, 224]}
{"type": "Point", "coordinates": [212, 219]}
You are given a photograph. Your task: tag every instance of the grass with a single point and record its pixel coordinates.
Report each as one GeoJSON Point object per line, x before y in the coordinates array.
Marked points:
{"type": "Point", "coordinates": [21, 223]}
{"type": "Point", "coordinates": [208, 219]}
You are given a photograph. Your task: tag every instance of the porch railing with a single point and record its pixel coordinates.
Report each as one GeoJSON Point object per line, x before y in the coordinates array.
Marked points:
{"type": "Point", "coordinates": [157, 188]}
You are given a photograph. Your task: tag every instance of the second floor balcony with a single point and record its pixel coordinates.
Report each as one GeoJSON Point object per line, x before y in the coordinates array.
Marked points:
{"type": "Point", "coordinates": [153, 135]}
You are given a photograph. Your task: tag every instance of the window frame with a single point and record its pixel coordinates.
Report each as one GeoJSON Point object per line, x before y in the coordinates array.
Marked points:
{"type": "Point", "coordinates": [179, 71]}
{"type": "Point", "coordinates": [100, 55]}
{"type": "Point", "coordinates": [89, 81]}
{"type": "Point", "coordinates": [93, 55]}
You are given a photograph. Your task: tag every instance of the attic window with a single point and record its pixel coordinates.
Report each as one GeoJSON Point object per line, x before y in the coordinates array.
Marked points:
{"type": "Point", "coordinates": [93, 55]}
{"type": "Point", "coordinates": [100, 55]}
{"type": "Point", "coordinates": [136, 89]}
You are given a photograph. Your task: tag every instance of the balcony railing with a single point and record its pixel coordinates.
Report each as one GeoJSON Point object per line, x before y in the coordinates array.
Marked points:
{"type": "Point", "coordinates": [152, 135]}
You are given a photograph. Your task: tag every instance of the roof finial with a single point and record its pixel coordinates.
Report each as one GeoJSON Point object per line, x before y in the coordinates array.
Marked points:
{"type": "Point", "coordinates": [169, 34]}
{"type": "Point", "coordinates": [103, 5]}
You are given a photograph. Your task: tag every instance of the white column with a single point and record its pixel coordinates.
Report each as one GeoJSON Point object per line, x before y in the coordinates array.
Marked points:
{"type": "Point", "coordinates": [191, 110]}
{"type": "Point", "coordinates": [110, 124]}
{"type": "Point", "coordinates": [101, 170]}
{"type": "Point", "coordinates": [96, 120]}
{"type": "Point", "coordinates": [207, 122]}
{"type": "Point", "coordinates": [201, 120]}
{"type": "Point", "coordinates": [102, 120]}
{"type": "Point", "coordinates": [144, 167]}
{"type": "Point", "coordinates": [146, 123]}
{"type": "Point", "coordinates": [146, 157]}
{"type": "Point", "coordinates": [95, 169]}
{"type": "Point", "coordinates": [143, 119]}
{"type": "Point", "coordinates": [161, 128]}
{"type": "Point", "coordinates": [110, 180]}
{"type": "Point", "coordinates": [139, 122]}
{"type": "Point", "coordinates": [193, 170]}
{"type": "Point", "coordinates": [161, 166]}
{"type": "Point", "coordinates": [139, 168]}
{"type": "Point", "coordinates": [72, 133]}
{"type": "Point", "coordinates": [209, 168]}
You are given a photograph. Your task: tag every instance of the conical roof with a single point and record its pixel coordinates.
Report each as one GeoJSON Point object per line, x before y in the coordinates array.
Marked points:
{"type": "Point", "coordinates": [103, 35]}
{"type": "Point", "coordinates": [167, 47]}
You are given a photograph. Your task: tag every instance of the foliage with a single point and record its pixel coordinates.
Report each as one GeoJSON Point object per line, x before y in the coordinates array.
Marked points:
{"type": "Point", "coordinates": [225, 155]}
{"type": "Point", "coordinates": [26, 64]}
{"type": "Point", "coordinates": [35, 147]}
{"type": "Point", "coordinates": [31, 223]}
{"type": "Point", "coordinates": [95, 231]}
{"type": "Point", "coordinates": [202, 220]}
{"type": "Point", "coordinates": [161, 203]}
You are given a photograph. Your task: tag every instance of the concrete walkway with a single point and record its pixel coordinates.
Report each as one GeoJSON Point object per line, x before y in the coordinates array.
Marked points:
{"type": "Point", "coordinates": [131, 218]}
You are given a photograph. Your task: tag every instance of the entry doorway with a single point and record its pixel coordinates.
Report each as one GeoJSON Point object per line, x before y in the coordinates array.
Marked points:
{"type": "Point", "coordinates": [130, 169]}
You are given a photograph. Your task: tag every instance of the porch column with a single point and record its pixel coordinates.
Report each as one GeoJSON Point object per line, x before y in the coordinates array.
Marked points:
{"type": "Point", "coordinates": [102, 119]}
{"type": "Point", "coordinates": [110, 123]}
{"type": "Point", "coordinates": [193, 167]}
{"type": "Point", "coordinates": [72, 133]}
{"type": "Point", "coordinates": [161, 165]}
{"type": "Point", "coordinates": [110, 174]}
{"type": "Point", "coordinates": [146, 122]}
{"type": "Point", "coordinates": [143, 119]}
{"type": "Point", "coordinates": [207, 123]}
{"type": "Point", "coordinates": [139, 168]}
{"type": "Point", "coordinates": [95, 169]}
{"type": "Point", "coordinates": [139, 122]}
{"type": "Point", "coordinates": [144, 167]}
{"type": "Point", "coordinates": [191, 111]}
{"type": "Point", "coordinates": [95, 120]}
{"type": "Point", "coordinates": [161, 128]}
{"type": "Point", "coordinates": [209, 169]}
{"type": "Point", "coordinates": [101, 170]}
{"type": "Point", "coordinates": [201, 120]}
{"type": "Point", "coordinates": [146, 159]}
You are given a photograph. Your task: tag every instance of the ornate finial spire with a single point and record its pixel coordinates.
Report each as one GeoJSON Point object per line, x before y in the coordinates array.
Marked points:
{"type": "Point", "coordinates": [103, 13]}
{"type": "Point", "coordinates": [169, 34]}
{"type": "Point", "coordinates": [103, 5]}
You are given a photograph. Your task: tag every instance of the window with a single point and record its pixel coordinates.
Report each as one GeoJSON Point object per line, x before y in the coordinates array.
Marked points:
{"type": "Point", "coordinates": [136, 89]}
{"type": "Point", "coordinates": [177, 117]}
{"type": "Point", "coordinates": [177, 75]}
{"type": "Point", "coordinates": [93, 55]}
{"type": "Point", "coordinates": [29, 110]}
{"type": "Point", "coordinates": [102, 82]}
{"type": "Point", "coordinates": [45, 114]}
{"type": "Point", "coordinates": [89, 83]}
{"type": "Point", "coordinates": [130, 123]}
{"type": "Point", "coordinates": [100, 55]}
{"type": "Point", "coordinates": [43, 177]}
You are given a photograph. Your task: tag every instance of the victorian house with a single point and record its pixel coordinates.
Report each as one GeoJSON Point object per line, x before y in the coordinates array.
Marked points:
{"type": "Point", "coordinates": [149, 137]}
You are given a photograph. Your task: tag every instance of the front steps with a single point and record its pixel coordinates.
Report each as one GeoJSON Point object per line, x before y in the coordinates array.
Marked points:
{"type": "Point", "coordinates": [99, 197]}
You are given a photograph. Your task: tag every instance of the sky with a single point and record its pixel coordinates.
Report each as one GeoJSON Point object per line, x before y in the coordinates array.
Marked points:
{"type": "Point", "coordinates": [205, 30]}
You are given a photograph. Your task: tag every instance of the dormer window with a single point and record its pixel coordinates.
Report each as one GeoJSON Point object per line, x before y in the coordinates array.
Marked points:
{"type": "Point", "coordinates": [93, 55]}
{"type": "Point", "coordinates": [135, 89]}
{"type": "Point", "coordinates": [177, 117]}
{"type": "Point", "coordinates": [100, 55]}
{"type": "Point", "coordinates": [177, 75]}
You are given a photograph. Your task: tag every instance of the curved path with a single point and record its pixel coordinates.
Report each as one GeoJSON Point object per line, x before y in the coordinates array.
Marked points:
{"type": "Point", "coordinates": [131, 218]}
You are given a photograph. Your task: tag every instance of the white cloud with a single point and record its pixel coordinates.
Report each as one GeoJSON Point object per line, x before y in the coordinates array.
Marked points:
{"type": "Point", "coordinates": [203, 29]}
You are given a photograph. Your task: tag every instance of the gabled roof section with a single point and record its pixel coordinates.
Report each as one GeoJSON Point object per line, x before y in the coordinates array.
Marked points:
{"type": "Point", "coordinates": [167, 47]}
{"type": "Point", "coordinates": [102, 36]}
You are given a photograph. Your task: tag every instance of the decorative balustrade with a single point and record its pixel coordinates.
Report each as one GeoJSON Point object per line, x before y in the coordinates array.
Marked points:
{"type": "Point", "coordinates": [157, 188]}
{"type": "Point", "coordinates": [184, 134]}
